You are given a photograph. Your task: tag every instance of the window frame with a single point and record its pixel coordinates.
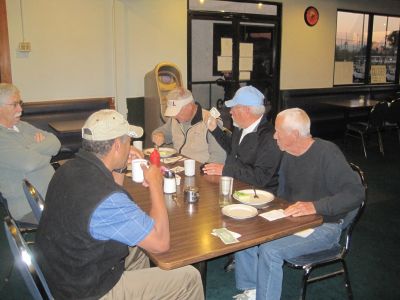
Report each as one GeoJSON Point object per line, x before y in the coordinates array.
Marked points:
{"type": "Point", "coordinates": [367, 79]}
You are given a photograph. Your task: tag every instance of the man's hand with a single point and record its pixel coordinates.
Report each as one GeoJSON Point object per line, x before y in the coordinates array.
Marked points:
{"type": "Point", "coordinates": [158, 138]}
{"type": "Point", "coordinates": [152, 176]}
{"type": "Point", "coordinates": [300, 209]}
{"type": "Point", "coordinates": [211, 124]}
{"type": "Point", "coordinates": [213, 169]}
{"type": "Point", "coordinates": [39, 137]}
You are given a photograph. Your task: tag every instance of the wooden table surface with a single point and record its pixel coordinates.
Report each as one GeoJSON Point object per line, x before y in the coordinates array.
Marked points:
{"type": "Point", "coordinates": [191, 224]}
{"type": "Point", "coordinates": [67, 125]}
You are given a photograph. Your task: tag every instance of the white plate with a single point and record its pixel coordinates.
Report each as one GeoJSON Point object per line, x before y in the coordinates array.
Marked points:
{"type": "Point", "coordinates": [239, 211]}
{"type": "Point", "coordinates": [247, 197]}
{"type": "Point", "coordinates": [164, 152]}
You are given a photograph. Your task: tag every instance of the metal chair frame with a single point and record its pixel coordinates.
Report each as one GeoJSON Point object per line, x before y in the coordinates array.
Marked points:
{"type": "Point", "coordinates": [34, 198]}
{"type": "Point", "coordinates": [376, 120]}
{"type": "Point", "coordinates": [335, 255]}
{"type": "Point", "coordinates": [25, 262]}
{"type": "Point", "coordinates": [393, 116]}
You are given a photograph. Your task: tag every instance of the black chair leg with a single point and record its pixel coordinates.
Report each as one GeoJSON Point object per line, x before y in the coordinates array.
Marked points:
{"type": "Point", "coordinates": [230, 264]}
{"type": "Point", "coordinates": [347, 281]}
{"type": "Point", "coordinates": [363, 144]}
{"type": "Point", "coordinates": [303, 291]}
{"type": "Point", "coordinates": [398, 132]}
{"type": "Point", "coordinates": [380, 143]}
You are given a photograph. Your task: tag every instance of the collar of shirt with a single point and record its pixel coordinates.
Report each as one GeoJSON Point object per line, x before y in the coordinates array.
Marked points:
{"type": "Point", "coordinates": [249, 129]}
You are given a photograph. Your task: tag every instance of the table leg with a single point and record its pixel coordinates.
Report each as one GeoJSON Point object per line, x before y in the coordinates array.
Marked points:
{"type": "Point", "coordinates": [202, 267]}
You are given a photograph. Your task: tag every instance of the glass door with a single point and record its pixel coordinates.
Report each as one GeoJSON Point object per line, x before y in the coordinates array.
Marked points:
{"type": "Point", "coordinates": [227, 50]}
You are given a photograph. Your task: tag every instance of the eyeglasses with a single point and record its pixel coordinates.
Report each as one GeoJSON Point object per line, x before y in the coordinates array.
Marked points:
{"type": "Point", "coordinates": [15, 104]}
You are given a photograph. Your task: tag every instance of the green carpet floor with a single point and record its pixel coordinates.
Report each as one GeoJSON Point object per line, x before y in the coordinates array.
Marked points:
{"type": "Point", "coordinates": [374, 259]}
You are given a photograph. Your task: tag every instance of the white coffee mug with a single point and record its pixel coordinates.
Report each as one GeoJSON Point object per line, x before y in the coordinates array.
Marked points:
{"type": "Point", "coordinates": [138, 145]}
{"type": "Point", "coordinates": [190, 167]}
{"type": "Point", "coordinates": [137, 172]}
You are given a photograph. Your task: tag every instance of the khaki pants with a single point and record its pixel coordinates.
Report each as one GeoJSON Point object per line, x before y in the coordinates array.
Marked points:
{"type": "Point", "coordinates": [139, 281]}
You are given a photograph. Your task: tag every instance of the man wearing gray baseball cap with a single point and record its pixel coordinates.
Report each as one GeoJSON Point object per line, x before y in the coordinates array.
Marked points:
{"type": "Point", "coordinates": [91, 233]}
{"type": "Point", "coordinates": [252, 153]}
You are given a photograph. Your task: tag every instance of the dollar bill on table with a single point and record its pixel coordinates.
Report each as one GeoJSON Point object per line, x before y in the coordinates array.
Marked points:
{"type": "Point", "coordinates": [225, 235]}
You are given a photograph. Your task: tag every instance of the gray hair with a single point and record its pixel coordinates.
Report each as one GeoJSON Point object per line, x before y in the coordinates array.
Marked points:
{"type": "Point", "coordinates": [296, 119]}
{"type": "Point", "coordinates": [7, 90]}
{"type": "Point", "coordinates": [178, 94]}
{"type": "Point", "coordinates": [257, 109]}
{"type": "Point", "coordinates": [101, 148]}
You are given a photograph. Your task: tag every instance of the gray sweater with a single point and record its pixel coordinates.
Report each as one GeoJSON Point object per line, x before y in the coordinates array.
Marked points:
{"type": "Point", "coordinates": [323, 176]}
{"type": "Point", "coordinates": [21, 157]}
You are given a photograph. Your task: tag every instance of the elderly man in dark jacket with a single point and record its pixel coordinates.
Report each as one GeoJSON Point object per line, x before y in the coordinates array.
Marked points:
{"type": "Point", "coordinates": [252, 153]}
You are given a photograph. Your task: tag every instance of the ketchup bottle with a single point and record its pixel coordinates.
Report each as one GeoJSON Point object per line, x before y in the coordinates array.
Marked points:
{"type": "Point", "coordinates": [155, 158]}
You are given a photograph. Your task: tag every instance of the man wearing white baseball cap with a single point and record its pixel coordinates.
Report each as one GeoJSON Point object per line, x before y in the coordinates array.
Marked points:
{"type": "Point", "coordinates": [187, 130]}
{"type": "Point", "coordinates": [91, 233]}
{"type": "Point", "coordinates": [252, 153]}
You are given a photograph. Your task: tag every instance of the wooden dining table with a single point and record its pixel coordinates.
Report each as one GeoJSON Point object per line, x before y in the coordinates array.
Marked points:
{"type": "Point", "coordinates": [349, 105]}
{"type": "Point", "coordinates": [191, 225]}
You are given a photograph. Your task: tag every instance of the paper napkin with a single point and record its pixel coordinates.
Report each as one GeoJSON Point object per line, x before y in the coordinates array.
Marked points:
{"type": "Point", "coordinates": [273, 215]}
{"type": "Point", "coordinates": [304, 233]}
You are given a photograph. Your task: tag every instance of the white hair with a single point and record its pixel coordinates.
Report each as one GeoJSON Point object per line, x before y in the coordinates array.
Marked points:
{"type": "Point", "coordinates": [257, 109]}
{"type": "Point", "coordinates": [7, 90]}
{"type": "Point", "coordinates": [296, 119]}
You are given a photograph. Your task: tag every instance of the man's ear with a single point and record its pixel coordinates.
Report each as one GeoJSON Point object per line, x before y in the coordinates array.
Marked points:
{"type": "Point", "coordinates": [117, 144]}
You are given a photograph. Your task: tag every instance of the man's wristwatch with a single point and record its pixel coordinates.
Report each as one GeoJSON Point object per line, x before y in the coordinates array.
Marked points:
{"type": "Point", "coordinates": [120, 171]}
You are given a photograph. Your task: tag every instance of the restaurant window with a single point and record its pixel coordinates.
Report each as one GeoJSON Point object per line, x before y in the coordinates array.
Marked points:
{"type": "Point", "coordinates": [366, 48]}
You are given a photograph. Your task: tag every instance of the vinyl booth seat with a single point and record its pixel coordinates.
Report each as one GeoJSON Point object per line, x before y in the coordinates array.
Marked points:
{"type": "Point", "coordinates": [40, 114]}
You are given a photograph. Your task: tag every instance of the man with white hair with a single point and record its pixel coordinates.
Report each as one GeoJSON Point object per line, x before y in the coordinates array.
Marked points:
{"type": "Point", "coordinates": [252, 154]}
{"type": "Point", "coordinates": [315, 177]}
{"type": "Point", "coordinates": [25, 153]}
{"type": "Point", "coordinates": [187, 130]}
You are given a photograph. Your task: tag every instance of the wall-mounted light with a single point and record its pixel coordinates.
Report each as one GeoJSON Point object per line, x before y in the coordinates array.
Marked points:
{"type": "Point", "coordinates": [23, 46]}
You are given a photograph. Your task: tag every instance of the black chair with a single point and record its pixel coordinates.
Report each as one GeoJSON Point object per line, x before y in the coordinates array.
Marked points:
{"type": "Point", "coordinates": [375, 124]}
{"type": "Point", "coordinates": [34, 198]}
{"type": "Point", "coordinates": [335, 255]}
{"type": "Point", "coordinates": [24, 227]}
{"type": "Point", "coordinates": [25, 262]}
{"type": "Point", "coordinates": [393, 117]}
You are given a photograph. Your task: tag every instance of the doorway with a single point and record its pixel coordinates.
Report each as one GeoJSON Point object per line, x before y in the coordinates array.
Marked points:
{"type": "Point", "coordinates": [228, 49]}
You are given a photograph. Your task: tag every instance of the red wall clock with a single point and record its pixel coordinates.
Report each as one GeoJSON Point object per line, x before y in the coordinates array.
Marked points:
{"type": "Point", "coordinates": [311, 16]}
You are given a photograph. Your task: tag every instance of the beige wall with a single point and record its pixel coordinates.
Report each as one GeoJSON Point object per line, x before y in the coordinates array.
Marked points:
{"type": "Point", "coordinates": [93, 48]}
{"type": "Point", "coordinates": [307, 55]}
{"type": "Point", "coordinates": [98, 48]}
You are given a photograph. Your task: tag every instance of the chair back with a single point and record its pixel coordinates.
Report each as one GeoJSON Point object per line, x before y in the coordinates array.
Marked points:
{"type": "Point", "coordinates": [353, 216]}
{"type": "Point", "coordinates": [34, 198]}
{"type": "Point", "coordinates": [393, 114]}
{"type": "Point", "coordinates": [25, 262]}
{"type": "Point", "coordinates": [378, 114]}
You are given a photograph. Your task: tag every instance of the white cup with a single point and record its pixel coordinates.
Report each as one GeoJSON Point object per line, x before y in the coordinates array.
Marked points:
{"type": "Point", "coordinates": [137, 172]}
{"type": "Point", "coordinates": [190, 167]}
{"type": "Point", "coordinates": [138, 145]}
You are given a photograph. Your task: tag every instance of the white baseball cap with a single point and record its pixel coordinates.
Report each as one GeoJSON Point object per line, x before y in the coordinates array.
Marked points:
{"type": "Point", "coordinates": [177, 99]}
{"type": "Point", "coordinates": [108, 124]}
